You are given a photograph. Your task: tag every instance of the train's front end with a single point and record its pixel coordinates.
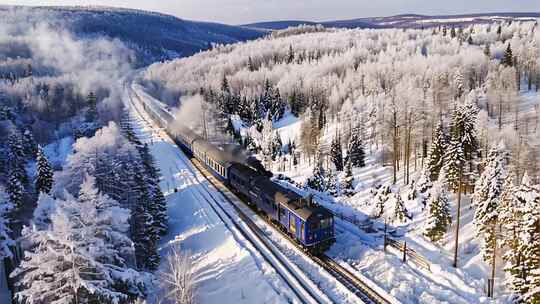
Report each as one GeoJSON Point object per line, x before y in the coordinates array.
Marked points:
{"type": "Point", "coordinates": [320, 233]}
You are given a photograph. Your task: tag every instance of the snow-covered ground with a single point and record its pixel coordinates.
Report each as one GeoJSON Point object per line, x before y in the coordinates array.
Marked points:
{"type": "Point", "coordinates": [409, 282]}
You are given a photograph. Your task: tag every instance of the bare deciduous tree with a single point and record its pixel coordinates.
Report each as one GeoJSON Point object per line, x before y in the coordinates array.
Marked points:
{"type": "Point", "coordinates": [176, 277]}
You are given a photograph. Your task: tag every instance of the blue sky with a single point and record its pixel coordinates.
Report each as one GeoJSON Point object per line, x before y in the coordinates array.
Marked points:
{"type": "Point", "coordinates": [245, 11]}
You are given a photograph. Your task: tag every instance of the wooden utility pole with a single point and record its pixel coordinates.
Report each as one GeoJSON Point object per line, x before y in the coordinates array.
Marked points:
{"type": "Point", "coordinates": [456, 245]}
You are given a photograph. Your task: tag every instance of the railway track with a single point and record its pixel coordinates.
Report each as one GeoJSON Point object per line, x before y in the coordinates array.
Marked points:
{"type": "Point", "coordinates": [364, 291]}
{"type": "Point", "coordinates": [290, 274]}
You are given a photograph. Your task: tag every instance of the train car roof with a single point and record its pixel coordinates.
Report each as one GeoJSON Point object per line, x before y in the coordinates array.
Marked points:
{"type": "Point", "coordinates": [291, 200]}
{"type": "Point", "coordinates": [214, 152]}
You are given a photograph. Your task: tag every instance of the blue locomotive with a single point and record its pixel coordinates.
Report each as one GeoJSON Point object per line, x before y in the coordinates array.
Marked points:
{"type": "Point", "coordinates": [310, 224]}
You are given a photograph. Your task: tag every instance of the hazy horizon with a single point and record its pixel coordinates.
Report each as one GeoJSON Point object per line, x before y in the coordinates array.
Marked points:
{"type": "Point", "coordinates": [246, 11]}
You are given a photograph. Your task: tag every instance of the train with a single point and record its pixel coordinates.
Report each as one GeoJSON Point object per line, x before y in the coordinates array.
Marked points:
{"type": "Point", "coordinates": [306, 222]}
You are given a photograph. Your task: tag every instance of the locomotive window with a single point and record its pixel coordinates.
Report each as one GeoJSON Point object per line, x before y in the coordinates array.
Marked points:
{"type": "Point", "coordinates": [314, 226]}
{"type": "Point", "coordinates": [325, 223]}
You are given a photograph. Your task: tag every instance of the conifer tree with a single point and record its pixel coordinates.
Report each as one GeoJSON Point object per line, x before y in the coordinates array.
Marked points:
{"type": "Point", "coordinates": [144, 234]}
{"type": "Point", "coordinates": [29, 144]}
{"type": "Point", "coordinates": [530, 240]}
{"type": "Point", "coordinates": [17, 159]}
{"type": "Point", "coordinates": [44, 180]}
{"type": "Point", "coordinates": [437, 152]}
{"type": "Point", "coordinates": [439, 218]}
{"type": "Point", "coordinates": [379, 200]}
{"type": "Point", "coordinates": [91, 101]}
{"type": "Point", "coordinates": [487, 198]}
{"type": "Point", "coordinates": [318, 180]}
{"type": "Point", "coordinates": [348, 179]}
{"type": "Point", "coordinates": [355, 148]}
{"type": "Point", "coordinates": [454, 162]}
{"type": "Point", "coordinates": [336, 153]}
{"type": "Point", "coordinates": [15, 190]}
{"type": "Point", "coordinates": [510, 217]}
{"type": "Point", "coordinates": [508, 58]}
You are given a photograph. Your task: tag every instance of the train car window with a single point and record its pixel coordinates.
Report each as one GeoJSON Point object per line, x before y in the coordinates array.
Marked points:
{"type": "Point", "coordinates": [315, 225]}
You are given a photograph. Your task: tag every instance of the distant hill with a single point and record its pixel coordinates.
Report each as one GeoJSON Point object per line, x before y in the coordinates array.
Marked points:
{"type": "Point", "coordinates": [403, 21]}
{"type": "Point", "coordinates": [153, 36]}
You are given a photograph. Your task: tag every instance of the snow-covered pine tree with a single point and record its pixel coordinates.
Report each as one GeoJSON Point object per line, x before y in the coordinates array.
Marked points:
{"type": "Point", "coordinates": [438, 218]}
{"type": "Point", "coordinates": [144, 233]}
{"type": "Point", "coordinates": [454, 162]}
{"type": "Point", "coordinates": [81, 259]}
{"type": "Point", "coordinates": [379, 200]}
{"type": "Point", "coordinates": [336, 153]}
{"type": "Point", "coordinates": [423, 184]}
{"type": "Point", "coordinates": [530, 240]}
{"type": "Point", "coordinates": [396, 207]}
{"type": "Point", "coordinates": [17, 158]}
{"type": "Point", "coordinates": [437, 152]}
{"type": "Point", "coordinates": [91, 101]}
{"type": "Point", "coordinates": [158, 211]}
{"type": "Point", "coordinates": [318, 180]}
{"type": "Point", "coordinates": [355, 148]}
{"type": "Point", "coordinates": [15, 190]}
{"type": "Point", "coordinates": [508, 57]}
{"type": "Point", "coordinates": [510, 218]}
{"type": "Point", "coordinates": [333, 186]}
{"type": "Point", "coordinates": [44, 179]}
{"type": "Point", "coordinates": [277, 107]}
{"type": "Point", "coordinates": [29, 143]}
{"type": "Point", "coordinates": [5, 231]}
{"type": "Point", "coordinates": [487, 198]}
{"type": "Point", "coordinates": [348, 179]}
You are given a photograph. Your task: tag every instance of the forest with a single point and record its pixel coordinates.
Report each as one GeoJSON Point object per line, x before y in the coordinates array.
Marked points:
{"type": "Point", "coordinates": [452, 112]}
{"type": "Point", "coordinates": [81, 209]}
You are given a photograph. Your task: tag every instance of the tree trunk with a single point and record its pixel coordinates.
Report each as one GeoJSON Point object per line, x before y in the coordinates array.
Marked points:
{"type": "Point", "coordinates": [456, 245]}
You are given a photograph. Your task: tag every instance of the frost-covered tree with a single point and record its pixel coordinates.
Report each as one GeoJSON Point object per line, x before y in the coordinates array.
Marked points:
{"type": "Point", "coordinates": [177, 277]}
{"type": "Point", "coordinates": [336, 153]}
{"type": "Point", "coordinates": [15, 190]}
{"type": "Point", "coordinates": [379, 200]}
{"type": "Point", "coordinates": [355, 148]}
{"type": "Point", "coordinates": [17, 158]}
{"type": "Point", "coordinates": [438, 217]}
{"type": "Point", "coordinates": [454, 162]}
{"type": "Point", "coordinates": [29, 143]}
{"type": "Point", "coordinates": [487, 198]}
{"type": "Point", "coordinates": [318, 179]}
{"type": "Point", "coordinates": [44, 178]}
{"type": "Point", "coordinates": [508, 57]}
{"type": "Point", "coordinates": [437, 152]}
{"type": "Point", "coordinates": [348, 179]}
{"type": "Point", "coordinates": [82, 258]}
{"type": "Point", "coordinates": [423, 184]}
{"type": "Point", "coordinates": [91, 101]}
{"type": "Point", "coordinates": [5, 237]}
{"type": "Point", "coordinates": [510, 214]}
{"type": "Point", "coordinates": [530, 240]}
{"type": "Point", "coordinates": [144, 233]}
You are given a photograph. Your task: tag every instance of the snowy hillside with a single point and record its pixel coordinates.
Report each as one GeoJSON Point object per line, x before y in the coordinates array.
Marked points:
{"type": "Point", "coordinates": [404, 21]}
{"type": "Point", "coordinates": [151, 35]}
{"type": "Point", "coordinates": [378, 124]}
